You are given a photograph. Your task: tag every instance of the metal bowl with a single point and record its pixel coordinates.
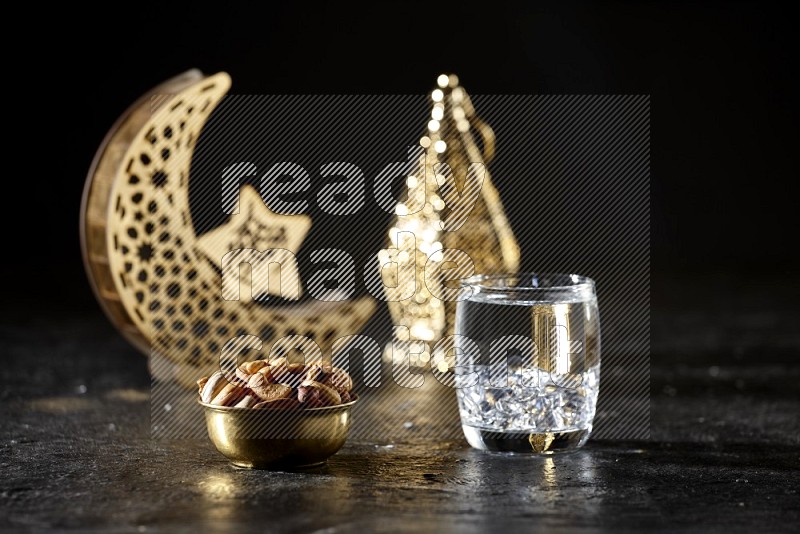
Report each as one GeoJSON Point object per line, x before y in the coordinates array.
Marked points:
{"type": "Point", "coordinates": [275, 438]}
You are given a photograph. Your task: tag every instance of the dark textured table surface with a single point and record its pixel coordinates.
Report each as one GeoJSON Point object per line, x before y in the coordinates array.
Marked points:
{"type": "Point", "coordinates": [75, 447]}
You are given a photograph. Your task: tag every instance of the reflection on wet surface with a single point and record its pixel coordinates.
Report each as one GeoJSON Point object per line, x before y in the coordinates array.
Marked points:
{"type": "Point", "coordinates": [128, 395]}
{"type": "Point", "coordinates": [68, 404]}
{"type": "Point", "coordinates": [62, 405]}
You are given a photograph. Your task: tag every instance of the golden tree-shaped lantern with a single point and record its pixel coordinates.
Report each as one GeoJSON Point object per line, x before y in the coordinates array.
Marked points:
{"type": "Point", "coordinates": [457, 138]}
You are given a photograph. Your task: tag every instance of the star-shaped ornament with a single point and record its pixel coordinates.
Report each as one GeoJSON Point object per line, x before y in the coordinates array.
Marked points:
{"type": "Point", "coordinates": [256, 227]}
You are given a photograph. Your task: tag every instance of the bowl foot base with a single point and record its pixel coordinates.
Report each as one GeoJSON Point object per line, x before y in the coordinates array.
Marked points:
{"type": "Point", "coordinates": [278, 466]}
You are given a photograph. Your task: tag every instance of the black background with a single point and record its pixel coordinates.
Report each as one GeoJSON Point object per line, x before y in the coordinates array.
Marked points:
{"type": "Point", "coordinates": [724, 339]}
{"type": "Point", "coordinates": [721, 76]}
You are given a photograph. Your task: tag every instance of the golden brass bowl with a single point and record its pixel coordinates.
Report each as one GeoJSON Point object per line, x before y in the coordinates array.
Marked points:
{"type": "Point", "coordinates": [275, 438]}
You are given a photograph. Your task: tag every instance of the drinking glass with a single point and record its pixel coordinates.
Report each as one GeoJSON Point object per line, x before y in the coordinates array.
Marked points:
{"type": "Point", "coordinates": [527, 361]}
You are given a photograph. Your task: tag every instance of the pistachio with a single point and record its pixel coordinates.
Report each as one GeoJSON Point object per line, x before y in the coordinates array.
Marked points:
{"type": "Point", "coordinates": [309, 395]}
{"type": "Point", "coordinates": [266, 372]}
{"type": "Point", "coordinates": [230, 395]}
{"type": "Point", "coordinates": [327, 395]}
{"type": "Point", "coordinates": [278, 362]}
{"type": "Point", "coordinates": [339, 380]}
{"type": "Point", "coordinates": [285, 373]}
{"type": "Point", "coordinates": [267, 391]}
{"type": "Point", "coordinates": [296, 368]}
{"type": "Point", "coordinates": [252, 367]}
{"type": "Point", "coordinates": [315, 372]}
{"type": "Point", "coordinates": [279, 384]}
{"type": "Point", "coordinates": [213, 386]}
{"type": "Point", "coordinates": [248, 401]}
{"type": "Point", "coordinates": [257, 380]}
{"type": "Point", "coordinates": [200, 384]}
{"type": "Point", "coordinates": [244, 371]}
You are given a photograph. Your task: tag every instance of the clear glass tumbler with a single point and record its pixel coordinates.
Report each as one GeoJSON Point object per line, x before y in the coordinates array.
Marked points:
{"type": "Point", "coordinates": [527, 367]}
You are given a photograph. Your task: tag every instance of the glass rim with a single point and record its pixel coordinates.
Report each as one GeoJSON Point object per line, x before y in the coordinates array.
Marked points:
{"type": "Point", "coordinates": [577, 282]}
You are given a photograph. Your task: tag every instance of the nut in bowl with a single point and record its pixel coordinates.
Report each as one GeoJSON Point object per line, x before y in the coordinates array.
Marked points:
{"type": "Point", "coordinates": [275, 414]}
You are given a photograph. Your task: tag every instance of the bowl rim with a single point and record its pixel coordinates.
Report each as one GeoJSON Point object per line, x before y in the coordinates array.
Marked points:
{"type": "Point", "coordinates": [236, 409]}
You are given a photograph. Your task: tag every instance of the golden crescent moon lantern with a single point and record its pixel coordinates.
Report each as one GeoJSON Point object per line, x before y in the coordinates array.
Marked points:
{"type": "Point", "coordinates": [153, 275]}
